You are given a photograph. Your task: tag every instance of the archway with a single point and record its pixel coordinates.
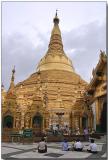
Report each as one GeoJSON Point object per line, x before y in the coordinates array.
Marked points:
{"type": "Point", "coordinates": [37, 121]}
{"type": "Point", "coordinates": [8, 122]}
{"type": "Point", "coordinates": [103, 119]}
{"type": "Point", "coordinates": [84, 121]}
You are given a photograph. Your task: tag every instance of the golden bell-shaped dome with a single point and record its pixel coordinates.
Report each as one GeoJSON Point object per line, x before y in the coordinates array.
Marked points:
{"type": "Point", "coordinates": [55, 58]}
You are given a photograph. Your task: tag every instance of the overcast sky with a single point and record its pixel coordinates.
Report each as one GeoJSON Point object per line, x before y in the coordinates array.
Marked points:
{"type": "Point", "coordinates": [26, 28]}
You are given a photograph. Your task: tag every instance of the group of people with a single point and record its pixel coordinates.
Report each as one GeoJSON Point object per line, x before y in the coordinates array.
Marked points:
{"type": "Point", "coordinates": [65, 130]}
{"type": "Point", "coordinates": [76, 146]}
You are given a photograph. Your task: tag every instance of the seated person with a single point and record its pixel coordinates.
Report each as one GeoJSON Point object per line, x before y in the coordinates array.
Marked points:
{"type": "Point", "coordinates": [65, 145]}
{"type": "Point", "coordinates": [78, 145]}
{"type": "Point", "coordinates": [92, 147]}
{"type": "Point", "coordinates": [42, 147]}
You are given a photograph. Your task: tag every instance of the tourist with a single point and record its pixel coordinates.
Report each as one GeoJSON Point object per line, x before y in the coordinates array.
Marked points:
{"type": "Point", "coordinates": [77, 131]}
{"type": "Point", "coordinates": [86, 134]}
{"type": "Point", "coordinates": [78, 145]}
{"type": "Point", "coordinates": [55, 130]}
{"type": "Point", "coordinates": [92, 131]}
{"type": "Point", "coordinates": [65, 145]}
{"type": "Point", "coordinates": [42, 146]}
{"type": "Point", "coordinates": [92, 147]}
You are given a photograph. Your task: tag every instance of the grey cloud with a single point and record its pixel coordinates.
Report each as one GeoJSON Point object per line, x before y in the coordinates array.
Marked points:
{"type": "Point", "coordinates": [18, 50]}
{"type": "Point", "coordinates": [87, 40]}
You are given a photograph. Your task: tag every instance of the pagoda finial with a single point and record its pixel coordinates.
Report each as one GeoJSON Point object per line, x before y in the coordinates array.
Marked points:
{"type": "Point", "coordinates": [12, 79]}
{"type": "Point", "coordinates": [13, 72]}
{"type": "Point", "coordinates": [56, 12]}
{"type": "Point", "coordinates": [56, 19]}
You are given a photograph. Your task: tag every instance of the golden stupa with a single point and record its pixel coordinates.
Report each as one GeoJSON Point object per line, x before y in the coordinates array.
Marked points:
{"type": "Point", "coordinates": [53, 95]}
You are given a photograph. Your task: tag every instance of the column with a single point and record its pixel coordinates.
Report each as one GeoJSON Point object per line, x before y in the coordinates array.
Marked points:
{"type": "Point", "coordinates": [31, 122]}
{"type": "Point", "coordinates": [72, 121]}
{"type": "Point", "coordinates": [80, 123]}
{"type": "Point", "coordinates": [76, 122]}
{"type": "Point", "coordinates": [97, 116]}
{"type": "Point", "coordinates": [94, 115]}
{"type": "Point", "coordinates": [43, 122]}
{"type": "Point", "coordinates": [14, 123]}
{"type": "Point", "coordinates": [22, 120]}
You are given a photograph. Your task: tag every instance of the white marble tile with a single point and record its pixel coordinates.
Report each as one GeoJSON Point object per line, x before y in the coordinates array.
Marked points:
{"type": "Point", "coordinates": [5, 150]}
{"type": "Point", "coordinates": [104, 155]}
{"type": "Point", "coordinates": [31, 154]}
{"type": "Point", "coordinates": [73, 154]}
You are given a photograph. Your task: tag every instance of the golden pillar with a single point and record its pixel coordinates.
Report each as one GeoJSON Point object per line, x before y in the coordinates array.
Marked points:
{"type": "Point", "coordinates": [22, 120]}
{"type": "Point", "coordinates": [97, 111]}
{"type": "Point", "coordinates": [14, 122]}
{"type": "Point", "coordinates": [43, 123]}
{"type": "Point", "coordinates": [88, 121]}
{"type": "Point", "coordinates": [76, 122]}
{"type": "Point", "coordinates": [31, 122]}
{"type": "Point", "coordinates": [73, 120]}
{"type": "Point", "coordinates": [80, 123]}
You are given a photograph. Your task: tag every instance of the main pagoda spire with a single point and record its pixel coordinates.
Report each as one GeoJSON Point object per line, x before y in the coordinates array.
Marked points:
{"type": "Point", "coordinates": [55, 58]}
{"type": "Point", "coordinates": [55, 44]}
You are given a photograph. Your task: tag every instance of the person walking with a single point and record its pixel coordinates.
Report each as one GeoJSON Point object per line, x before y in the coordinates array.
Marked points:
{"type": "Point", "coordinates": [86, 134]}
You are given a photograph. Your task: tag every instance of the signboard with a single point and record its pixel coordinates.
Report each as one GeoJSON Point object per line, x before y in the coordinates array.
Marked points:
{"type": "Point", "coordinates": [27, 133]}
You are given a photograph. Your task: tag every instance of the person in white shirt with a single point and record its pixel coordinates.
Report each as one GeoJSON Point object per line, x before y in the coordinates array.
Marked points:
{"type": "Point", "coordinates": [78, 145]}
{"type": "Point", "coordinates": [42, 147]}
{"type": "Point", "coordinates": [92, 147]}
{"type": "Point", "coordinates": [65, 145]}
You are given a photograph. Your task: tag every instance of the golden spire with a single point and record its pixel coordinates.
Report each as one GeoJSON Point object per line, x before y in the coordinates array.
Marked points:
{"type": "Point", "coordinates": [12, 79]}
{"type": "Point", "coordinates": [55, 58]}
{"type": "Point", "coordinates": [55, 44]}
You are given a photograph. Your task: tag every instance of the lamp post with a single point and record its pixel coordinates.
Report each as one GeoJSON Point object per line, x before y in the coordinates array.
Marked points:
{"type": "Point", "coordinates": [60, 114]}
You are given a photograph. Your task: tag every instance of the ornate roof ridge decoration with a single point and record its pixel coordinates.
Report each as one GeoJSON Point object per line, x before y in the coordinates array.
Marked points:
{"type": "Point", "coordinates": [55, 57]}
{"type": "Point", "coordinates": [96, 72]}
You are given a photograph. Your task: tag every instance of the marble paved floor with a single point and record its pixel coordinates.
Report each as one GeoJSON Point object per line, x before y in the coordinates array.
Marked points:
{"type": "Point", "coordinates": [29, 151]}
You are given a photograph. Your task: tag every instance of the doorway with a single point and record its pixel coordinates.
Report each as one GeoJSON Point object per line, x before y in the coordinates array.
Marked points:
{"type": "Point", "coordinates": [103, 119]}
{"type": "Point", "coordinates": [37, 121]}
{"type": "Point", "coordinates": [85, 121]}
{"type": "Point", "coordinates": [8, 122]}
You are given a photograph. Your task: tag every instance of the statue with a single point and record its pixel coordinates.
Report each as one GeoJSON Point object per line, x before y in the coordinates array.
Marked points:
{"type": "Point", "coordinates": [17, 122]}
{"type": "Point", "coordinates": [27, 121]}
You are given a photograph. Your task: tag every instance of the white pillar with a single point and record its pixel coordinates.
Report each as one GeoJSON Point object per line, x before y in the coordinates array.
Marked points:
{"type": "Point", "coordinates": [94, 113]}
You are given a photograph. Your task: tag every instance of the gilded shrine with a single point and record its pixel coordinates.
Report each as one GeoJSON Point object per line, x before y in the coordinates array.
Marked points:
{"type": "Point", "coordinates": [52, 96]}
